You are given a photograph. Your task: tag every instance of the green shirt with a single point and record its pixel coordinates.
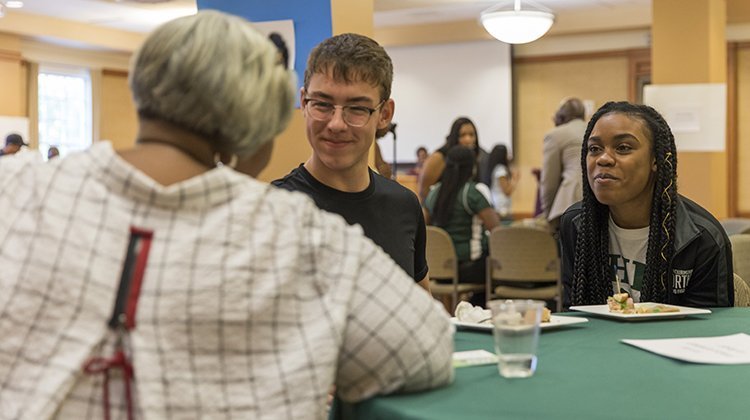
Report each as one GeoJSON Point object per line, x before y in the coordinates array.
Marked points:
{"type": "Point", "coordinates": [464, 226]}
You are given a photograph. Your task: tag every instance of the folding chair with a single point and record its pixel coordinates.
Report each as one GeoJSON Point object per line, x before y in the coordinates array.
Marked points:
{"type": "Point", "coordinates": [524, 263]}
{"type": "Point", "coordinates": [443, 263]}
{"type": "Point", "coordinates": [741, 292]}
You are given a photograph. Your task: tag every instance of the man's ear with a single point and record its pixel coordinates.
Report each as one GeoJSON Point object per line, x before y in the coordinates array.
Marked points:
{"type": "Point", "coordinates": [386, 113]}
{"type": "Point", "coordinates": [653, 165]}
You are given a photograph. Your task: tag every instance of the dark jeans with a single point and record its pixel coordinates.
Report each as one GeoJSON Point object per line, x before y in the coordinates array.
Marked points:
{"type": "Point", "coordinates": [474, 272]}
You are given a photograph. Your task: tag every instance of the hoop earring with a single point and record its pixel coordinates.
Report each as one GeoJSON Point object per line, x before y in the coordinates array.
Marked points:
{"type": "Point", "coordinates": [219, 163]}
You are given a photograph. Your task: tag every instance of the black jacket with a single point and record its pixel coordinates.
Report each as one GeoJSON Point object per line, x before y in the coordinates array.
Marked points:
{"type": "Point", "coordinates": [702, 273]}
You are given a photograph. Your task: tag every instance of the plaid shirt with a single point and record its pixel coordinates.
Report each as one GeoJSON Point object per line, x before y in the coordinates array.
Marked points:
{"type": "Point", "coordinates": [253, 301]}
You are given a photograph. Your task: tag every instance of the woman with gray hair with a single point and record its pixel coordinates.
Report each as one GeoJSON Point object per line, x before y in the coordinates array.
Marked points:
{"type": "Point", "coordinates": [230, 99]}
{"type": "Point", "coordinates": [158, 282]}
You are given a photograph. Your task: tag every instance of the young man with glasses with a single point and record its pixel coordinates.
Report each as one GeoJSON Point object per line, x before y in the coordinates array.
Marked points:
{"type": "Point", "coordinates": [346, 99]}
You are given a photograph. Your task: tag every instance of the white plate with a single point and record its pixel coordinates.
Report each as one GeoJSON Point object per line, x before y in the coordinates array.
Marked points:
{"type": "Point", "coordinates": [603, 310]}
{"type": "Point", "coordinates": [554, 322]}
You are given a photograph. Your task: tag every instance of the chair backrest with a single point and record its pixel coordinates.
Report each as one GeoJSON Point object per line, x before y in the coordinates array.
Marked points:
{"type": "Point", "coordinates": [736, 225]}
{"type": "Point", "coordinates": [441, 255]}
{"type": "Point", "coordinates": [523, 254]}
{"type": "Point", "coordinates": [741, 292]}
{"type": "Point", "coordinates": [741, 255]}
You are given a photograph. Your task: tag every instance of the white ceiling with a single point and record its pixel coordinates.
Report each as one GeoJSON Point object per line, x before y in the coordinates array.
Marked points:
{"type": "Point", "coordinates": [142, 15]}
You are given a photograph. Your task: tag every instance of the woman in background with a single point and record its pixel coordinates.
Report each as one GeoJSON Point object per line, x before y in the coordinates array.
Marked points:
{"type": "Point", "coordinates": [464, 133]}
{"type": "Point", "coordinates": [419, 164]}
{"type": "Point", "coordinates": [504, 181]}
{"type": "Point", "coordinates": [632, 226]}
{"type": "Point", "coordinates": [462, 207]}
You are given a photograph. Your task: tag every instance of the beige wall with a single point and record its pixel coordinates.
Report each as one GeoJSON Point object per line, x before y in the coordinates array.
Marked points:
{"type": "Point", "coordinates": [12, 77]}
{"type": "Point", "coordinates": [73, 34]}
{"type": "Point", "coordinates": [743, 130]}
{"type": "Point", "coordinates": [289, 150]}
{"type": "Point", "coordinates": [702, 27]}
{"type": "Point", "coordinates": [537, 90]}
{"type": "Point", "coordinates": [118, 119]}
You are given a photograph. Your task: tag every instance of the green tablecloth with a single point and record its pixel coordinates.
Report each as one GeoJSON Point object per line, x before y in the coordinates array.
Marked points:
{"type": "Point", "coordinates": [585, 372]}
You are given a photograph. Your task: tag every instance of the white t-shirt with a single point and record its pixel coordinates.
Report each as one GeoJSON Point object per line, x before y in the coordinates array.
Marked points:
{"type": "Point", "coordinates": [627, 254]}
{"type": "Point", "coordinates": [499, 198]}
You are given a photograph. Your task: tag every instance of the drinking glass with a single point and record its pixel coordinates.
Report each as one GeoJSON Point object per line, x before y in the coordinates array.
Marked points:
{"type": "Point", "coordinates": [516, 331]}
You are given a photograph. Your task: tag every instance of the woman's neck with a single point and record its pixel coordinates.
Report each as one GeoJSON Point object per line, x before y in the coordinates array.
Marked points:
{"type": "Point", "coordinates": [631, 217]}
{"type": "Point", "coordinates": [192, 145]}
{"type": "Point", "coordinates": [169, 154]}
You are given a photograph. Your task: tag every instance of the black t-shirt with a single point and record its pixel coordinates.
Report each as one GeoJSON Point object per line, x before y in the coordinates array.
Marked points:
{"type": "Point", "coordinates": [389, 214]}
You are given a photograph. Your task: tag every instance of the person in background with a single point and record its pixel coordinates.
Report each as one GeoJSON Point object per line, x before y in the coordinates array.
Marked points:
{"type": "Point", "coordinates": [633, 226]}
{"type": "Point", "coordinates": [504, 181]}
{"type": "Point", "coordinates": [13, 143]}
{"type": "Point", "coordinates": [560, 185]}
{"type": "Point", "coordinates": [421, 158]}
{"type": "Point", "coordinates": [381, 165]}
{"type": "Point", "coordinates": [462, 207]}
{"type": "Point", "coordinates": [52, 152]}
{"type": "Point", "coordinates": [538, 211]}
{"type": "Point", "coordinates": [346, 102]}
{"type": "Point", "coordinates": [464, 133]}
{"type": "Point", "coordinates": [249, 300]}
{"type": "Point", "coordinates": [281, 48]}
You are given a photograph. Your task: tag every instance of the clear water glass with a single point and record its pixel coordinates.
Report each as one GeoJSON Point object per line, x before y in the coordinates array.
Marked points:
{"type": "Point", "coordinates": [516, 325]}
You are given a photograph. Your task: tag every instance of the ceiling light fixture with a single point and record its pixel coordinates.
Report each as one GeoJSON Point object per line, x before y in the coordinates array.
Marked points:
{"type": "Point", "coordinates": [517, 26]}
{"type": "Point", "coordinates": [14, 4]}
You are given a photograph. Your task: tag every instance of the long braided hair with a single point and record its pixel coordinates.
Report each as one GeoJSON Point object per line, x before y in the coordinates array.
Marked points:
{"type": "Point", "coordinates": [459, 169]}
{"type": "Point", "coordinates": [592, 272]}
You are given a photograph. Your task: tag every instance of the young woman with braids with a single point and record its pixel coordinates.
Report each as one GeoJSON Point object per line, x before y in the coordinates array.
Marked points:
{"type": "Point", "coordinates": [462, 207]}
{"type": "Point", "coordinates": [632, 223]}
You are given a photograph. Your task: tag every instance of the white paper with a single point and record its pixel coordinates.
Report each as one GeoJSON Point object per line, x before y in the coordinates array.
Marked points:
{"type": "Point", "coordinates": [683, 119]}
{"type": "Point", "coordinates": [473, 358]}
{"type": "Point", "coordinates": [695, 112]}
{"type": "Point", "coordinates": [724, 350]}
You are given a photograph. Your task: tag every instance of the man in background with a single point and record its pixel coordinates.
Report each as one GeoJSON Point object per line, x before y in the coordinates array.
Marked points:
{"type": "Point", "coordinates": [13, 144]}
{"type": "Point", "coordinates": [561, 168]}
{"type": "Point", "coordinates": [346, 101]}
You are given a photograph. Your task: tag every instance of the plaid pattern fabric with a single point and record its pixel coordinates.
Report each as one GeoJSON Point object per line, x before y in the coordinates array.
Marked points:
{"type": "Point", "coordinates": [253, 302]}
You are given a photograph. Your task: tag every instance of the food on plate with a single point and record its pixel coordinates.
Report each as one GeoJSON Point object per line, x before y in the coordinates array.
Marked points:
{"type": "Point", "coordinates": [655, 308]}
{"type": "Point", "coordinates": [466, 312]}
{"type": "Point", "coordinates": [546, 314]}
{"type": "Point", "coordinates": [623, 303]}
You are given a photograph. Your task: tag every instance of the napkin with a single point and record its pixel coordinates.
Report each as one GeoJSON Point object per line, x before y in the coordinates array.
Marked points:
{"type": "Point", "coordinates": [466, 312]}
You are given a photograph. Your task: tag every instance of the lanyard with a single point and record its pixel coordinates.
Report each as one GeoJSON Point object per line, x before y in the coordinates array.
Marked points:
{"type": "Point", "coordinates": [123, 318]}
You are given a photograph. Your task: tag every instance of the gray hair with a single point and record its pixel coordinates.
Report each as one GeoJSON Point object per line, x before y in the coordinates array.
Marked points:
{"type": "Point", "coordinates": [570, 109]}
{"type": "Point", "coordinates": [215, 75]}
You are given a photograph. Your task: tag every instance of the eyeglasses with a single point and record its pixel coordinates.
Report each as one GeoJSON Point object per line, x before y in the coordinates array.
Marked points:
{"type": "Point", "coordinates": [353, 115]}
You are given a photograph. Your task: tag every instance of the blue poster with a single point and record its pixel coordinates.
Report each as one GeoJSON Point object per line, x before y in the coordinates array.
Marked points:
{"type": "Point", "coordinates": [312, 21]}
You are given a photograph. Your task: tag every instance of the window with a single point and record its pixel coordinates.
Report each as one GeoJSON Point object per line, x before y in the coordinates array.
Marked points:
{"type": "Point", "coordinates": [64, 109]}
